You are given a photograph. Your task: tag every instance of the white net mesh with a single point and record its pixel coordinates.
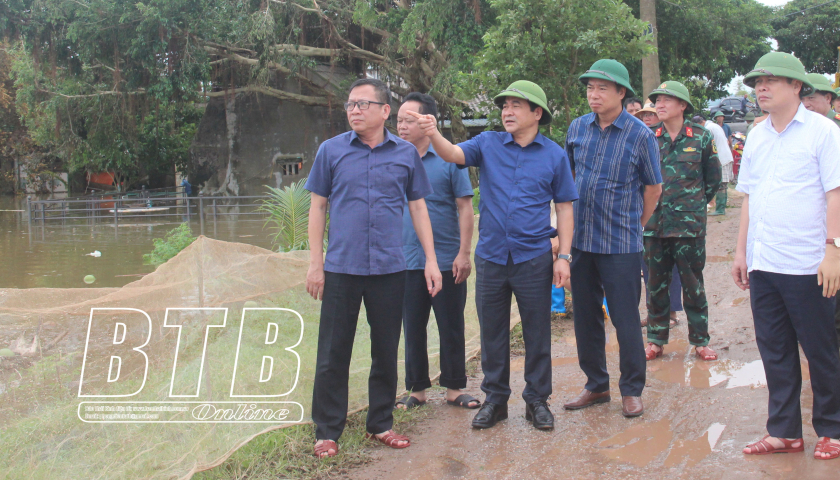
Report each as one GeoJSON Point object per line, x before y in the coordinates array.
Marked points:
{"type": "Point", "coordinates": [190, 358]}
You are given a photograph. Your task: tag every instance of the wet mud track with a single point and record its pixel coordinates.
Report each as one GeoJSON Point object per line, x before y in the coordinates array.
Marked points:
{"type": "Point", "coordinates": [698, 415]}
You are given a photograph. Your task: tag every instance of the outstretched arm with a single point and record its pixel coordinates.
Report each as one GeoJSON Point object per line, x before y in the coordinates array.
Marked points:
{"type": "Point", "coordinates": [444, 148]}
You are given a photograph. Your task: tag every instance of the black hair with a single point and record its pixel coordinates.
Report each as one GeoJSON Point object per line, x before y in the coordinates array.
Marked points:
{"type": "Point", "coordinates": [630, 100]}
{"type": "Point", "coordinates": [383, 93]}
{"type": "Point", "coordinates": [698, 119]}
{"type": "Point", "coordinates": [428, 106]}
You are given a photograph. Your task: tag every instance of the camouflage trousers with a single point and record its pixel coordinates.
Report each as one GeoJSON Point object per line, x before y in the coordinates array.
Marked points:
{"type": "Point", "coordinates": [689, 254]}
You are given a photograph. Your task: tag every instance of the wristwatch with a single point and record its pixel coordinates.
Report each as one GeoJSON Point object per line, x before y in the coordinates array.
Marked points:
{"type": "Point", "coordinates": [569, 256]}
{"type": "Point", "coordinates": [833, 241]}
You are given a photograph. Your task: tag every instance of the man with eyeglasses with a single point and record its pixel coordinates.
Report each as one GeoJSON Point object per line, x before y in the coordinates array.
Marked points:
{"type": "Point", "coordinates": [365, 176]}
{"type": "Point", "coordinates": [616, 162]}
{"type": "Point", "coordinates": [521, 171]}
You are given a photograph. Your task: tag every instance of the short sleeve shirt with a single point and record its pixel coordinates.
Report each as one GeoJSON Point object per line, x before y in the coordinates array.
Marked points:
{"type": "Point", "coordinates": [787, 175]}
{"type": "Point", "coordinates": [448, 183]}
{"type": "Point", "coordinates": [517, 185]}
{"type": "Point", "coordinates": [612, 167]}
{"type": "Point", "coordinates": [367, 190]}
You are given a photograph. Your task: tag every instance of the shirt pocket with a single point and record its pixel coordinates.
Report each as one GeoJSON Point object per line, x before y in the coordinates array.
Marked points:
{"type": "Point", "coordinates": [688, 179]}
{"type": "Point", "coordinates": [393, 180]}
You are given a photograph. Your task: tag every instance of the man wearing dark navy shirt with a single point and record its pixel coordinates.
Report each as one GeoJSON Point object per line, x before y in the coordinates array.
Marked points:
{"type": "Point", "coordinates": [365, 176]}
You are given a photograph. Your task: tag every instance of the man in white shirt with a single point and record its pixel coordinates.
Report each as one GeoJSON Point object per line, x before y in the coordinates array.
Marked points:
{"type": "Point", "coordinates": [725, 157]}
{"type": "Point", "coordinates": [790, 175]}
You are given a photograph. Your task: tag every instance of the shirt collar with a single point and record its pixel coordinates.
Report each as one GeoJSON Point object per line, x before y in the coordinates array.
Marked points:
{"type": "Point", "coordinates": [801, 112]}
{"type": "Point", "coordinates": [389, 137]}
{"type": "Point", "coordinates": [508, 138]}
{"type": "Point", "coordinates": [620, 121]}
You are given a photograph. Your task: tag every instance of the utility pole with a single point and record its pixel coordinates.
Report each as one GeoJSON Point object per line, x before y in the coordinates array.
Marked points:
{"type": "Point", "coordinates": [650, 64]}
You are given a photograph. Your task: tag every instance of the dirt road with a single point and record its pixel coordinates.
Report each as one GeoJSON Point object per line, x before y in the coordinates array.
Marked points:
{"type": "Point", "coordinates": [698, 415]}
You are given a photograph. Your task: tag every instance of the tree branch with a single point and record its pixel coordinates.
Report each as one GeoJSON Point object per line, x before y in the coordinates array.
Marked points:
{"type": "Point", "coordinates": [97, 94]}
{"type": "Point", "coordinates": [272, 92]}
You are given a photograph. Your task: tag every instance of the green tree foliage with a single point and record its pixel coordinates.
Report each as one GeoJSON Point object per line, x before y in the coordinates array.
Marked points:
{"type": "Point", "coordinates": [810, 29]}
{"type": "Point", "coordinates": [106, 84]}
{"type": "Point", "coordinates": [705, 43]}
{"type": "Point", "coordinates": [552, 43]}
{"type": "Point", "coordinates": [111, 84]}
{"type": "Point", "coordinates": [170, 245]}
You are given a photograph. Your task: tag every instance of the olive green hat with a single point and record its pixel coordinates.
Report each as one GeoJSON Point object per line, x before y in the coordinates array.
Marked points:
{"type": "Point", "coordinates": [529, 91]}
{"type": "Point", "coordinates": [718, 114]}
{"type": "Point", "coordinates": [749, 117]}
{"type": "Point", "coordinates": [778, 64]}
{"type": "Point", "coordinates": [611, 70]}
{"type": "Point", "coordinates": [821, 84]}
{"type": "Point", "coordinates": [674, 89]}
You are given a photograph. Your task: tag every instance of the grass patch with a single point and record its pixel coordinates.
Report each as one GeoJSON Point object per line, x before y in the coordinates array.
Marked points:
{"type": "Point", "coordinates": [287, 453]}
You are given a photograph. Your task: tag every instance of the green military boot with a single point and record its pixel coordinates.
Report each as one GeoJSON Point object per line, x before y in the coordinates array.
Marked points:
{"type": "Point", "coordinates": [720, 203]}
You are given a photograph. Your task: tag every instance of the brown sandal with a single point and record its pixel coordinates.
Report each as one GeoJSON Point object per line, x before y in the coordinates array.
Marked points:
{"type": "Point", "coordinates": [705, 355]}
{"type": "Point", "coordinates": [825, 445]}
{"type": "Point", "coordinates": [763, 447]}
{"type": "Point", "coordinates": [390, 439]}
{"type": "Point", "coordinates": [650, 354]}
{"type": "Point", "coordinates": [322, 450]}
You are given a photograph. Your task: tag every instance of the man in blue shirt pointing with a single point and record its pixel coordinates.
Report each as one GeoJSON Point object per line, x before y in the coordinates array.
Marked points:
{"type": "Point", "coordinates": [521, 172]}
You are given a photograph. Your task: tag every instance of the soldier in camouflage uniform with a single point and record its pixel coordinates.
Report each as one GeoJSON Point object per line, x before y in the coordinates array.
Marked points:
{"type": "Point", "coordinates": [676, 233]}
{"type": "Point", "coordinates": [821, 98]}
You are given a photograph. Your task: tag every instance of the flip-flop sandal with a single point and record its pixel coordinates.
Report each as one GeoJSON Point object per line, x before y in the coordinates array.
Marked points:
{"type": "Point", "coordinates": [824, 445]}
{"type": "Point", "coordinates": [322, 450]}
{"type": "Point", "coordinates": [763, 447]}
{"type": "Point", "coordinates": [464, 400]}
{"type": "Point", "coordinates": [673, 322]}
{"type": "Point", "coordinates": [650, 354]}
{"type": "Point", "coordinates": [390, 439]}
{"type": "Point", "coordinates": [703, 356]}
{"type": "Point", "coordinates": [409, 402]}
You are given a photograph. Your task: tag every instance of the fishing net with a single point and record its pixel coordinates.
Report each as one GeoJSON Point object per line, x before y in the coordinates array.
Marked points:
{"type": "Point", "coordinates": [170, 374]}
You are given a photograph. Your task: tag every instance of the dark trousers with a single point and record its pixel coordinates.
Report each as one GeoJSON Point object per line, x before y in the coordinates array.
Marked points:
{"type": "Point", "coordinates": [531, 283]}
{"type": "Point", "coordinates": [617, 276]}
{"type": "Point", "coordinates": [789, 310]}
{"type": "Point", "coordinates": [343, 296]}
{"type": "Point", "coordinates": [449, 306]}
{"type": "Point", "coordinates": [689, 256]}
{"type": "Point", "coordinates": [674, 292]}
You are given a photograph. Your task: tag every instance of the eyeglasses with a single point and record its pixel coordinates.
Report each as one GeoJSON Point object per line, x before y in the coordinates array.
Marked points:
{"type": "Point", "coordinates": [363, 105]}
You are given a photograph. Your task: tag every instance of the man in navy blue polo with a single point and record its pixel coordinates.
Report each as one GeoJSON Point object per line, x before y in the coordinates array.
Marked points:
{"type": "Point", "coordinates": [616, 162]}
{"type": "Point", "coordinates": [365, 175]}
{"type": "Point", "coordinates": [521, 171]}
{"type": "Point", "coordinates": [451, 213]}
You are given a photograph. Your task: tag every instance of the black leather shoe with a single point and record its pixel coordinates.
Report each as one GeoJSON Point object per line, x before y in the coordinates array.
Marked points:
{"type": "Point", "coordinates": [489, 414]}
{"type": "Point", "coordinates": [540, 415]}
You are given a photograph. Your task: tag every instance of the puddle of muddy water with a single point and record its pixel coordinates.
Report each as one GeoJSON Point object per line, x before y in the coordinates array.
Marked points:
{"type": "Point", "coordinates": [642, 444]}
{"type": "Point", "coordinates": [679, 365]}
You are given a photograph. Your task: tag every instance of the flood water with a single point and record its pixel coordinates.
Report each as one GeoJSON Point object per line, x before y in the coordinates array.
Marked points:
{"type": "Point", "coordinates": [55, 255]}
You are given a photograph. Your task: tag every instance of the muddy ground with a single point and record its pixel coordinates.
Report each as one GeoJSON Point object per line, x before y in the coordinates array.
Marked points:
{"type": "Point", "coordinates": [698, 415]}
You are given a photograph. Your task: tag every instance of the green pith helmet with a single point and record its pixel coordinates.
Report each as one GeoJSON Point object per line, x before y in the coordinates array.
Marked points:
{"type": "Point", "coordinates": [611, 70]}
{"type": "Point", "coordinates": [778, 64]}
{"type": "Point", "coordinates": [821, 84]}
{"type": "Point", "coordinates": [749, 117]}
{"type": "Point", "coordinates": [718, 114]}
{"type": "Point", "coordinates": [529, 91]}
{"type": "Point", "coordinates": [674, 89]}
